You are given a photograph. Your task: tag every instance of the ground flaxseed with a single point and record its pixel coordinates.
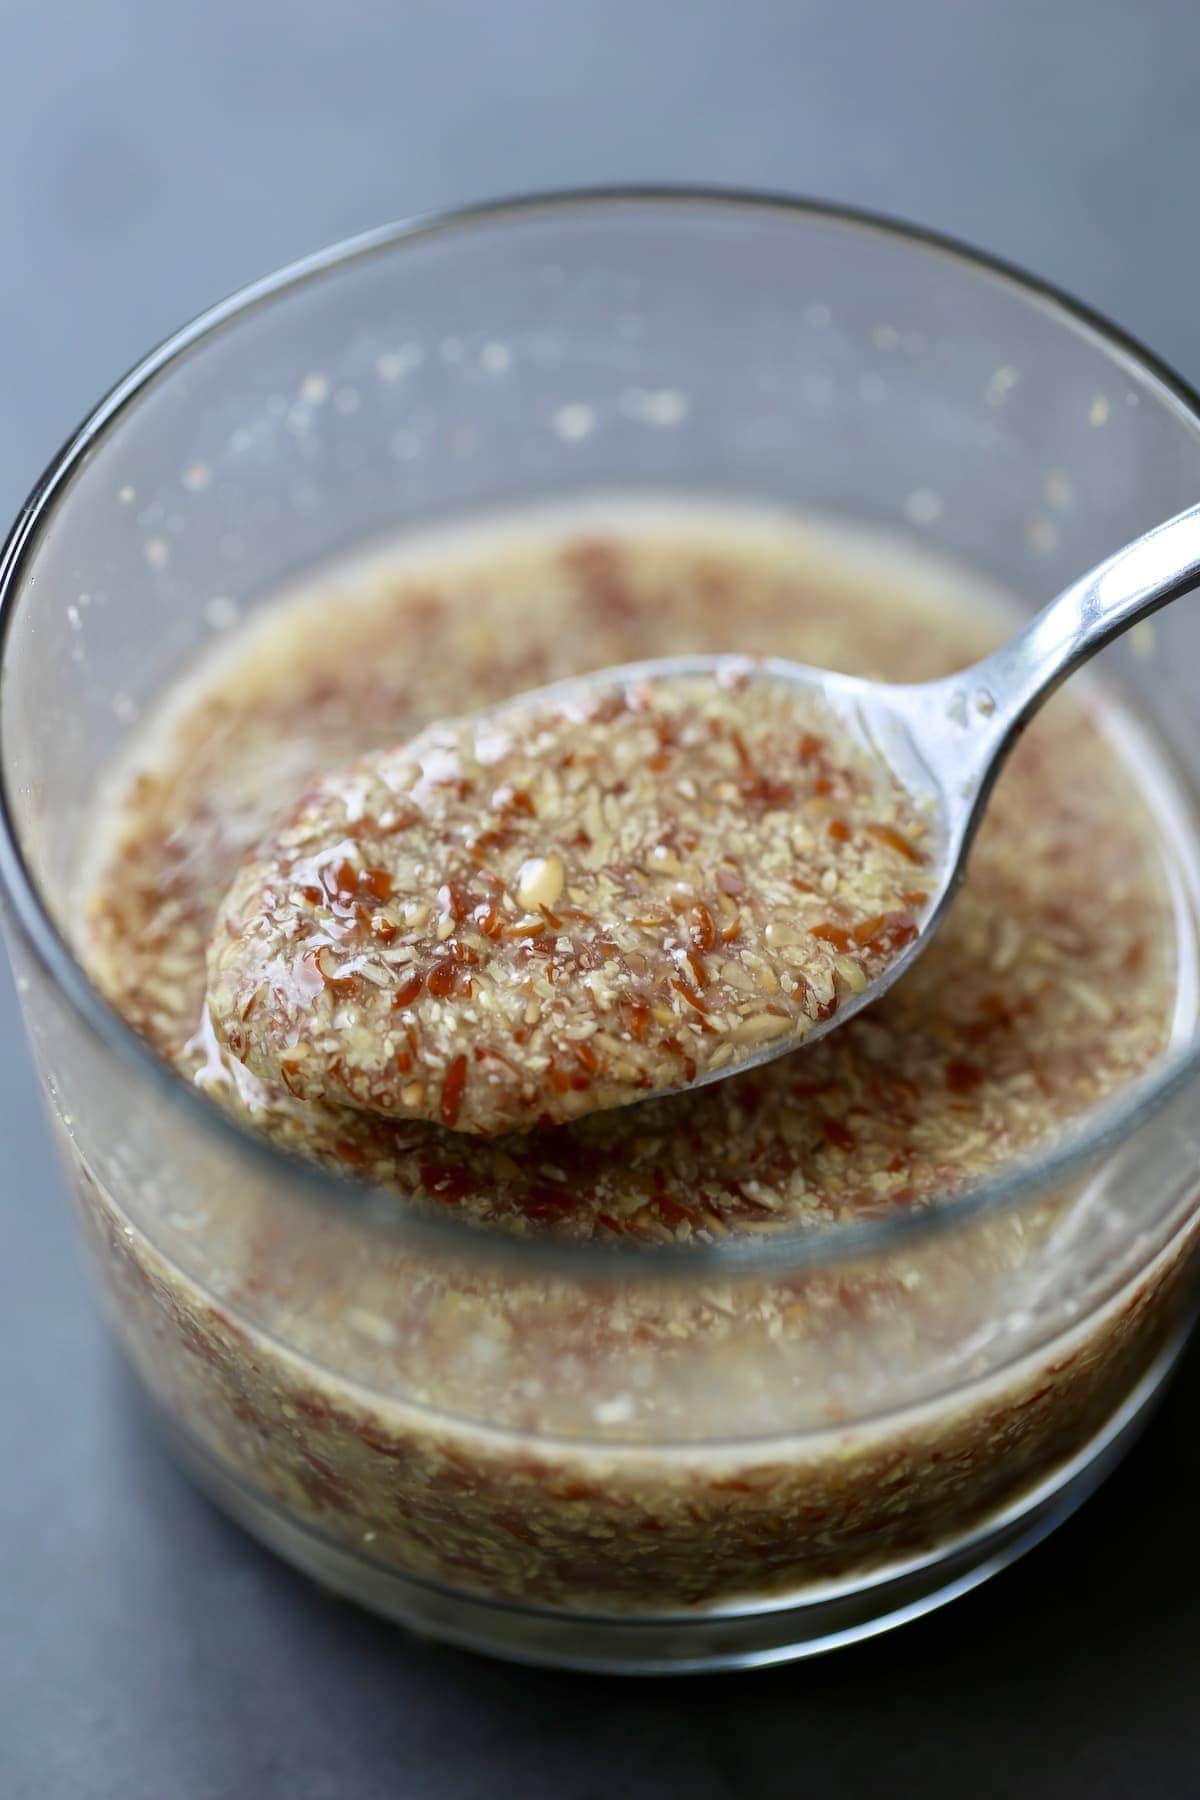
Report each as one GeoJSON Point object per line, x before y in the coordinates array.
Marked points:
{"type": "Point", "coordinates": [544, 912]}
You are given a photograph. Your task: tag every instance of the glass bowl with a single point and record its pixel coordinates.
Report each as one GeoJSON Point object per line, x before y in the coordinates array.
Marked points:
{"type": "Point", "coordinates": [455, 1461]}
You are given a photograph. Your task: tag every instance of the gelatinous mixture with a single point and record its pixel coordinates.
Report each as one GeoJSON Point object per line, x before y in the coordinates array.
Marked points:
{"type": "Point", "coordinates": [520, 1436]}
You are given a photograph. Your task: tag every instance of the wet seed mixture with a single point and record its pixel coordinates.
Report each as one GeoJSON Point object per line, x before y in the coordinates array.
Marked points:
{"type": "Point", "coordinates": [540, 913]}
{"type": "Point", "coordinates": [1049, 988]}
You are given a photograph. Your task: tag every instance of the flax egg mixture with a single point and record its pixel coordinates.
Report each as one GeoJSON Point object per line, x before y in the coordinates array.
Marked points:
{"type": "Point", "coordinates": [1059, 978]}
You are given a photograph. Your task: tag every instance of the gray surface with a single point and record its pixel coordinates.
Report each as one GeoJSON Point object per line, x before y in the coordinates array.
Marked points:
{"type": "Point", "coordinates": [155, 154]}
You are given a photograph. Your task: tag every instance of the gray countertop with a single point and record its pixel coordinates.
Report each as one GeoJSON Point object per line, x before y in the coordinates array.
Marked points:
{"type": "Point", "coordinates": [154, 154]}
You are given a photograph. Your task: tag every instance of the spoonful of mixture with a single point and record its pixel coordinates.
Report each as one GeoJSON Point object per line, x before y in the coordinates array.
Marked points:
{"type": "Point", "coordinates": [639, 881]}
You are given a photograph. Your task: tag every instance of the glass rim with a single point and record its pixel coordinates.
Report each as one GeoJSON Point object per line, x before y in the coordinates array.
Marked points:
{"type": "Point", "coordinates": [376, 1206]}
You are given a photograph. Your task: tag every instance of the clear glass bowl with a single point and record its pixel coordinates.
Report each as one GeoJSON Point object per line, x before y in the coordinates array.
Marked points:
{"type": "Point", "coordinates": [645, 1509]}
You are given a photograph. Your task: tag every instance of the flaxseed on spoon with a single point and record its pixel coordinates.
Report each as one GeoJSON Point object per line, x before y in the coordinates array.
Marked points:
{"type": "Point", "coordinates": [515, 920]}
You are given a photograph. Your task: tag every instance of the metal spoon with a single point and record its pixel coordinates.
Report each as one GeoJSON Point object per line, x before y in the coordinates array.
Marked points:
{"type": "Point", "coordinates": [943, 742]}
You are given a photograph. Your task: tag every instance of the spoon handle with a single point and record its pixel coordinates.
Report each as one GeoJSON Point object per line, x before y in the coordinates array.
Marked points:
{"type": "Point", "coordinates": [967, 723]}
{"type": "Point", "coordinates": [1127, 587]}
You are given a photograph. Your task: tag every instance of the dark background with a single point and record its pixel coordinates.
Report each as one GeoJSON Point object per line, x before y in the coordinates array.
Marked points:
{"type": "Point", "coordinates": [154, 154]}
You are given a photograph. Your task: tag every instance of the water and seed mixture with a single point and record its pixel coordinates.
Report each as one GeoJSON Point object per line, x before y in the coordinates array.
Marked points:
{"type": "Point", "coordinates": [1050, 987]}
{"type": "Point", "coordinates": [630, 1445]}
{"type": "Point", "coordinates": [520, 918]}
